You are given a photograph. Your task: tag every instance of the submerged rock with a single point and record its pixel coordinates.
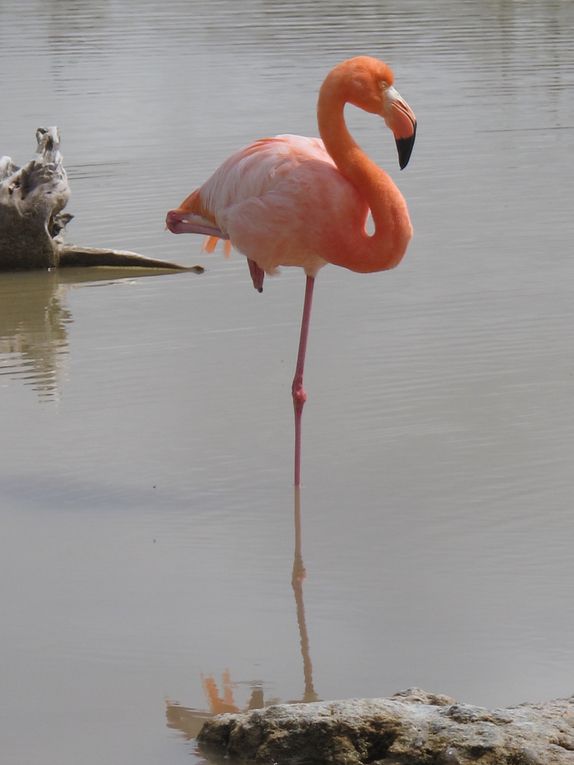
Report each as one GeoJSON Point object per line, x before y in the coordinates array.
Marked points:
{"type": "Point", "coordinates": [32, 221]}
{"type": "Point", "coordinates": [411, 728]}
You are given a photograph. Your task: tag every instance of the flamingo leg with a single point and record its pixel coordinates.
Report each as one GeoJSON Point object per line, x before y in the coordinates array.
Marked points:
{"type": "Point", "coordinates": [299, 395]}
{"type": "Point", "coordinates": [257, 275]}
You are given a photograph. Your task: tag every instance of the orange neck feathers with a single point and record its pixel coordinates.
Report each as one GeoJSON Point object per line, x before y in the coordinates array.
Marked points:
{"type": "Point", "coordinates": [393, 230]}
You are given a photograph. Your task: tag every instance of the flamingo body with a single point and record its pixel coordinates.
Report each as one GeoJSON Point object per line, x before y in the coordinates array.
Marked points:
{"type": "Point", "coordinates": [297, 201]}
{"type": "Point", "coordinates": [260, 199]}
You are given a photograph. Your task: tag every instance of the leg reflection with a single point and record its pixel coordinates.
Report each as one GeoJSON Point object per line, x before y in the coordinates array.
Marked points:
{"type": "Point", "coordinates": [297, 578]}
{"type": "Point", "coordinates": [190, 721]}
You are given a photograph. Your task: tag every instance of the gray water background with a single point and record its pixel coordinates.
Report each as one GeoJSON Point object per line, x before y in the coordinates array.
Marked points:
{"type": "Point", "coordinates": [146, 423]}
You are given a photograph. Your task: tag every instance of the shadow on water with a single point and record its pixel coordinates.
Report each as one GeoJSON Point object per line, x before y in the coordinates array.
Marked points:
{"type": "Point", "coordinates": [189, 721]}
{"type": "Point", "coordinates": [34, 321]}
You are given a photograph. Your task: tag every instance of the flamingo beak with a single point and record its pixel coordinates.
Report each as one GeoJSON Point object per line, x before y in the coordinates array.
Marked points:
{"type": "Point", "coordinates": [401, 120]}
{"type": "Point", "coordinates": [405, 147]}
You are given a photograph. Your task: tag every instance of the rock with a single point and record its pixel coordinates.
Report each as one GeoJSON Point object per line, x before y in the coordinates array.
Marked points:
{"type": "Point", "coordinates": [32, 223]}
{"type": "Point", "coordinates": [411, 728]}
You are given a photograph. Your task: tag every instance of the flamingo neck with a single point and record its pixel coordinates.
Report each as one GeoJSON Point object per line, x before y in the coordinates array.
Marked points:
{"type": "Point", "coordinates": [386, 246]}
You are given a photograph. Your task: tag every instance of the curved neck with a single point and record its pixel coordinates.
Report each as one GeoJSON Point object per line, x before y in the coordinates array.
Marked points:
{"type": "Point", "coordinates": [393, 230]}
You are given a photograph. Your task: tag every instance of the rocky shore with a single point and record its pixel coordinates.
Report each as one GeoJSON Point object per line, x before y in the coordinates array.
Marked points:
{"type": "Point", "coordinates": [413, 727]}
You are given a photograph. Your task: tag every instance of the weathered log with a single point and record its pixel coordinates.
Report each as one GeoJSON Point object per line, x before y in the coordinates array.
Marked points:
{"type": "Point", "coordinates": [413, 727]}
{"type": "Point", "coordinates": [32, 221]}
{"type": "Point", "coordinates": [72, 255]}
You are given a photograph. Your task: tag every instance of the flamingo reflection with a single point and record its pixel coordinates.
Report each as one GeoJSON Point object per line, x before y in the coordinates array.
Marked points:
{"type": "Point", "coordinates": [189, 720]}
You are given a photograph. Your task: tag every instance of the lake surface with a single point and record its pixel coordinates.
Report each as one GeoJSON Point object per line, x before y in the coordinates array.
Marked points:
{"type": "Point", "coordinates": [147, 510]}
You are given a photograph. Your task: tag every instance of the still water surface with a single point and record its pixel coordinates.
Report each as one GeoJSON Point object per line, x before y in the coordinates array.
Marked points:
{"type": "Point", "coordinates": [147, 541]}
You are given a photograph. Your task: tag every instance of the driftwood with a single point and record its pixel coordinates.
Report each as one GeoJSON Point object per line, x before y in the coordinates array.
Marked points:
{"type": "Point", "coordinates": [32, 221]}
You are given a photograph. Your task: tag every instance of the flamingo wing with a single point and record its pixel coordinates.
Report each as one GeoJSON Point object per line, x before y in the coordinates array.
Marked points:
{"type": "Point", "coordinates": [277, 200]}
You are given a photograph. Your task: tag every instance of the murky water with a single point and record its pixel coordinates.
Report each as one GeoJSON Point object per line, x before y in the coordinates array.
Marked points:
{"type": "Point", "coordinates": [147, 543]}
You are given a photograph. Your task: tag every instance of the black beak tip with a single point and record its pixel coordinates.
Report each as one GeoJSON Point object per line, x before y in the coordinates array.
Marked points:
{"type": "Point", "coordinates": [405, 148]}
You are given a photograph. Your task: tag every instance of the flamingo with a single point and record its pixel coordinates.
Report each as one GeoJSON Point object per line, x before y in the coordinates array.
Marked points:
{"type": "Point", "coordinates": [297, 201]}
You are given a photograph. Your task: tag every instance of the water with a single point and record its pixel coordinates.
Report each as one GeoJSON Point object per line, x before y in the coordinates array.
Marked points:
{"type": "Point", "coordinates": [146, 424]}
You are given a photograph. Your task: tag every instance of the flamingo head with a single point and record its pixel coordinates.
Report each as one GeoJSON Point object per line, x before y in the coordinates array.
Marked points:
{"type": "Point", "coordinates": [368, 84]}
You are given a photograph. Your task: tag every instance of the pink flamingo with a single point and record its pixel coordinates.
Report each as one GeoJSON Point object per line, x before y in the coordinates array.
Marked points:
{"type": "Point", "coordinates": [297, 201]}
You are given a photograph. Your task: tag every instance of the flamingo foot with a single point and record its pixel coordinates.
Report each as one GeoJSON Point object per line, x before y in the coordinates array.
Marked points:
{"type": "Point", "coordinates": [257, 274]}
